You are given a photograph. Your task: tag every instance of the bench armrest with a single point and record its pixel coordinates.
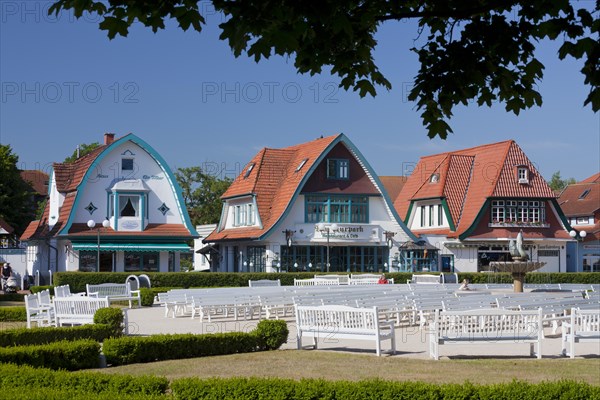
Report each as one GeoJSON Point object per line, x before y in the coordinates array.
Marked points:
{"type": "Point", "coordinates": [135, 292]}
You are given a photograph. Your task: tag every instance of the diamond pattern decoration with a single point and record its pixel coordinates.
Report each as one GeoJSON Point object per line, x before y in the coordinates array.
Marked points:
{"type": "Point", "coordinates": [91, 208]}
{"type": "Point", "coordinates": [163, 209]}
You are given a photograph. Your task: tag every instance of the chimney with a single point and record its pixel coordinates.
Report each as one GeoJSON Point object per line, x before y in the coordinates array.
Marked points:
{"type": "Point", "coordinates": [109, 138]}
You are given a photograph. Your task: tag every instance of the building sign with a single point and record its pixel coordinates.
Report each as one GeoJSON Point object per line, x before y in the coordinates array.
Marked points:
{"type": "Point", "coordinates": [347, 232]}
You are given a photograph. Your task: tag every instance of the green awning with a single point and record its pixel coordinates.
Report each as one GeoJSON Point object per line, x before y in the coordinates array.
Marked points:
{"type": "Point", "coordinates": [91, 246]}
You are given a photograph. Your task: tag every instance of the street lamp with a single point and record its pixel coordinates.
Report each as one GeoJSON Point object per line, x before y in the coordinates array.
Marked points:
{"type": "Point", "coordinates": [91, 224]}
{"type": "Point", "coordinates": [577, 236]}
{"type": "Point", "coordinates": [327, 229]}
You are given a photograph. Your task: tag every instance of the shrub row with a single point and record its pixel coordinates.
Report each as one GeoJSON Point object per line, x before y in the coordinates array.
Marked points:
{"type": "Point", "coordinates": [26, 377]}
{"type": "Point", "coordinates": [55, 394]}
{"type": "Point", "coordinates": [19, 382]}
{"type": "Point", "coordinates": [13, 314]}
{"type": "Point", "coordinates": [268, 335]}
{"type": "Point", "coordinates": [261, 388]}
{"type": "Point", "coordinates": [37, 289]}
{"type": "Point", "coordinates": [36, 336]}
{"type": "Point", "coordinates": [80, 354]}
{"type": "Point", "coordinates": [12, 297]}
{"type": "Point", "coordinates": [78, 280]}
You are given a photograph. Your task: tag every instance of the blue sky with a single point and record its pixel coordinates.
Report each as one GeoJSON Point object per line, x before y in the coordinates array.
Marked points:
{"type": "Point", "coordinates": [64, 83]}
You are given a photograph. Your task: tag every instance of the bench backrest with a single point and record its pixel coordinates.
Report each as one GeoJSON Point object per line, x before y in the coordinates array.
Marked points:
{"type": "Point", "coordinates": [492, 323]}
{"type": "Point", "coordinates": [341, 279]}
{"type": "Point", "coordinates": [76, 305]}
{"type": "Point", "coordinates": [426, 278]}
{"type": "Point", "coordinates": [264, 282]}
{"type": "Point", "coordinates": [109, 289]}
{"type": "Point", "coordinates": [337, 319]}
{"type": "Point", "coordinates": [586, 320]}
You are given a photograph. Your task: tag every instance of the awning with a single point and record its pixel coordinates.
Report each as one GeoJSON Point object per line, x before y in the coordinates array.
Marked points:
{"type": "Point", "coordinates": [421, 245]}
{"type": "Point", "coordinates": [90, 246]}
{"type": "Point", "coordinates": [210, 249]}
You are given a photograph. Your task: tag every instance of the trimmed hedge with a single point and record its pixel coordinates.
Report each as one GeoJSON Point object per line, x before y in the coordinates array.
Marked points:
{"type": "Point", "coordinates": [168, 280]}
{"type": "Point", "coordinates": [80, 354]}
{"type": "Point", "coordinates": [37, 289]}
{"type": "Point", "coordinates": [12, 297]}
{"type": "Point", "coordinates": [13, 314]}
{"type": "Point", "coordinates": [268, 335]}
{"type": "Point", "coordinates": [272, 388]}
{"type": "Point", "coordinates": [113, 317]}
{"type": "Point", "coordinates": [45, 335]}
{"type": "Point", "coordinates": [55, 394]}
{"type": "Point", "coordinates": [27, 378]}
{"type": "Point", "coordinates": [147, 296]}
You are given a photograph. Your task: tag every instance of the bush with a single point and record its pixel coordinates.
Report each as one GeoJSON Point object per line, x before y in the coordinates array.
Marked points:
{"type": "Point", "coordinates": [271, 333]}
{"type": "Point", "coordinates": [12, 297]}
{"type": "Point", "coordinates": [37, 289]}
{"type": "Point", "coordinates": [35, 336]}
{"type": "Point", "coordinates": [13, 314]}
{"type": "Point", "coordinates": [112, 317]}
{"type": "Point", "coordinates": [27, 378]}
{"type": "Point", "coordinates": [126, 350]}
{"type": "Point", "coordinates": [55, 394]}
{"type": "Point", "coordinates": [67, 355]}
{"type": "Point", "coordinates": [147, 296]}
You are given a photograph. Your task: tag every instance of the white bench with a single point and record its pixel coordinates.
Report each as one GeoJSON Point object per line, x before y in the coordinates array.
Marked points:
{"type": "Point", "coordinates": [77, 310]}
{"type": "Point", "coordinates": [486, 326]}
{"type": "Point", "coordinates": [584, 325]}
{"type": "Point", "coordinates": [114, 292]}
{"type": "Point", "coordinates": [264, 283]}
{"type": "Point", "coordinates": [42, 315]}
{"type": "Point", "coordinates": [65, 291]}
{"type": "Point", "coordinates": [425, 278]}
{"type": "Point", "coordinates": [343, 322]}
{"type": "Point", "coordinates": [339, 279]}
{"type": "Point", "coordinates": [317, 282]}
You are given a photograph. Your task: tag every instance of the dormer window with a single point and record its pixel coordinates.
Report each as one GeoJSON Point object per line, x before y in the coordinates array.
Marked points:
{"type": "Point", "coordinates": [523, 175]}
{"type": "Point", "coordinates": [434, 178]}
{"type": "Point", "coordinates": [338, 168]}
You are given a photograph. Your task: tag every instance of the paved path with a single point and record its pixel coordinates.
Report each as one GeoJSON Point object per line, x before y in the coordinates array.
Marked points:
{"type": "Point", "coordinates": [410, 341]}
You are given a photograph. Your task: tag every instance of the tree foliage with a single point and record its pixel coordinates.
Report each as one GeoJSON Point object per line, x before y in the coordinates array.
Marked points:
{"type": "Point", "coordinates": [15, 195]}
{"type": "Point", "coordinates": [202, 194]}
{"type": "Point", "coordinates": [482, 50]}
{"type": "Point", "coordinates": [83, 149]}
{"type": "Point", "coordinates": [557, 184]}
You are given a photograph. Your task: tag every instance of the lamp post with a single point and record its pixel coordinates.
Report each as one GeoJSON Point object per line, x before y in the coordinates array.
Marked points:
{"type": "Point", "coordinates": [577, 235]}
{"type": "Point", "coordinates": [389, 240]}
{"type": "Point", "coordinates": [91, 224]}
{"type": "Point", "coordinates": [327, 229]}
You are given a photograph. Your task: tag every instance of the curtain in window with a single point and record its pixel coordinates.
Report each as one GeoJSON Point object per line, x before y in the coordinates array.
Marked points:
{"type": "Point", "coordinates": [129, 206]}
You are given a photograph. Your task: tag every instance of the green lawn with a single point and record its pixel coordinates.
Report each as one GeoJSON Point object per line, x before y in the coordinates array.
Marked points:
{"type": "Point", "coordinates": [337, 365]}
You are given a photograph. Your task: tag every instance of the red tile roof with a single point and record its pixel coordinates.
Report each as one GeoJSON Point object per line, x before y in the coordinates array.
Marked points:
{"type": "Point", "coordinates": [592, 179]}
{"type": "Point", "coordinates": [572, 203]}
{"type": "Point", "coordinates": [467, 178]}
{"type": "Point", "coordinates": [37, 179]}
{"type": "Point", "coordinates": [69, 175]}
{"type": "Point", "coordinates": [393, 185]}
{"type": "Point", "coordinates": [273, 180]}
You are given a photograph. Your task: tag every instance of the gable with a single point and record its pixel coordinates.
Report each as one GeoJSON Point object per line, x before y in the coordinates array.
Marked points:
{"type": "Point", "coordinates": [357, 183]}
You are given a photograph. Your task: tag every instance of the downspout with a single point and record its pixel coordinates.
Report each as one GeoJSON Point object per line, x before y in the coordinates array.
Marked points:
{"type": "Point", "coordinates": [55, 258]}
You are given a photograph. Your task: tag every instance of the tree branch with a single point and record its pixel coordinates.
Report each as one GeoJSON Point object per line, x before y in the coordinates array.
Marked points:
{"type": "Point", "coordinates": [455, 14]}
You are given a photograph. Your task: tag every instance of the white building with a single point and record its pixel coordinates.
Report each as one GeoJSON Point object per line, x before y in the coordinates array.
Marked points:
{"type": "Point", "coordinates": [316, 206]}
{"type": "Point", "coordinates": [118, 208]}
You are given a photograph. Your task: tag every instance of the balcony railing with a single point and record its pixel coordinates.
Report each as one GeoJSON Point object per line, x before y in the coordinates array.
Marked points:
{"type": "Point", "coordinates": [518, 224]}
